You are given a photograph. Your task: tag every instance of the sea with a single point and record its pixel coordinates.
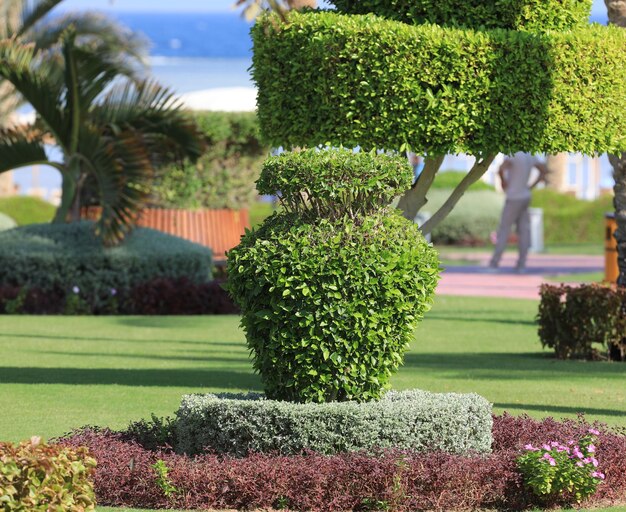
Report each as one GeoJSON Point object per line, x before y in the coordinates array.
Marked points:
{"type": "Point", "coordinates": [189, 52]}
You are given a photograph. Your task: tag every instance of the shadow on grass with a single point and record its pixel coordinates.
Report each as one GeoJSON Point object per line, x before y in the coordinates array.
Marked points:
{"type": "Point", "coordinates": [478, 318]}
{"type": "Point", "coordinates": [512, 366]}
{"type": "Point", "coordinates": [191, 378]}
{"type": "Point", "coordinates": [155, 357]}
{"type": "Point", "coordinates": [168, 321]}
{"type": "Point", "coordinates": [169, 341]}
{"type": "Point", "coordinates": [561, 409]}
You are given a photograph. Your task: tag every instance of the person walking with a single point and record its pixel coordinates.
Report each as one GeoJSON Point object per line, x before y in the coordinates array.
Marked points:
{"type": "Point", "coordinates": [515, 174]}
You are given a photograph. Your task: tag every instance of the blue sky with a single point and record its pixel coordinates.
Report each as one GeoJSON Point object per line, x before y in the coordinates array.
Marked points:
{"type": "Point", "coordinates": [191, 5]}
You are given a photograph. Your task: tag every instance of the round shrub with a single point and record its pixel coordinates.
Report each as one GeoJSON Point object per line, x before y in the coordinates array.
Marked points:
{"type": "Point", "coordinates": [71, 259]}
{"type": "Point", "coordinates": [332, 288]}
{"type": "Point", "coordinates": [6, 222]}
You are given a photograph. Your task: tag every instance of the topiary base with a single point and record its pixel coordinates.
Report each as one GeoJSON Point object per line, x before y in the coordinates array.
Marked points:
{"type": "Point", "coordinates": [413, 420]}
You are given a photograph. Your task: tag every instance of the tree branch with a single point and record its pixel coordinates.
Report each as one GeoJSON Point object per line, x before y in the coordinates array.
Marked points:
{"type": "Point", "coordinates": [479, 168]}
{"type": "Point", "coordinates": [415, 198]}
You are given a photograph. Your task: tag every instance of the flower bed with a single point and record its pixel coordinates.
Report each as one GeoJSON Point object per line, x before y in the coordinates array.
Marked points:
{"type": "Point", "coordinates": [130, 475]}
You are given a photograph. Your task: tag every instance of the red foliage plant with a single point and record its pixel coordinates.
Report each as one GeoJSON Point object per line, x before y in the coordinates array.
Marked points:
{"type": "Point", "coordinates": [389, 479]}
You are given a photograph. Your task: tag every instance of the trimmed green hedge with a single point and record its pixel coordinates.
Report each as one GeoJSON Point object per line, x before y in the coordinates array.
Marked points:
{"type": "Point", "coordinates": [530, 15]}
{"type": "Point", "coordinates": [27, 210]}
{"type": "Point", "coordinates": [567, 219]}
{"type": "Point", "coordinates": [64, 256]}
{"type": "Point", "coordinates": [415, 420]}
{"type": "Point", "coordinates": [363, 80]}
{"type": "Point", "coordinates": [224, 176]}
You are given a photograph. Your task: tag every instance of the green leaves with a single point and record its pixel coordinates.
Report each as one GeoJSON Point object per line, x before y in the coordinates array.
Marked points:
{"type": "Point", "coordinates": [333, 303]}
{"type": "Point", "coordinates": [363, 80]}
{"type": "Point", "coordinates": [334, 183]}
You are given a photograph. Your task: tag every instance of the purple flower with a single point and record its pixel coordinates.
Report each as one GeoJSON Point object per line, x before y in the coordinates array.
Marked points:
{"type": "Point", "coordinates": [76, 289]}
{"type": "Point", "coordinates": [594, 431]}
{"type": "Point", "coordinates": [579, 464]}
{"type": "Point", "coordinates": [530, 447]}
{"type": "Point", "coordinates": [113, 292]}
{"type": "Point", "coordinates": [546, 447]}
{"type": "Point", "coordinates": [598, 474]}
{"type": "Point", "coordinates": [591, 448]}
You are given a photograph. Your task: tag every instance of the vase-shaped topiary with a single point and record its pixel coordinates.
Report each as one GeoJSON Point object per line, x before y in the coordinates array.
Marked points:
{"type": "Point", "coordinates": [332, 288]}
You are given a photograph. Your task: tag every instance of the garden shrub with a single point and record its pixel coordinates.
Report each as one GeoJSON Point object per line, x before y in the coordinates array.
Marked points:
{"type": "Point", "coordinates": [415, 420]}
{"type": "Point", "coordinates": [530, 15]}
{"type": "Point", "coordinates": [567, 219]}
{"type": "Point", "coordinates": [391, 479]}
{"type": "Point", "coordinates": [473, 219]}
{"type": "Point", "coordinates": [27, 210]}
{"type": "Point", "coordinates": [6, 222]}
{"type": "Point", "coordinates": [573, 318]}
{"type": "Point", "coordinates": [363, 80]}
{"type": "Point", "coordinates": [69, 257]}
{"type": "Point", "coordinates": [332, 288]}
{"type": "Point", "coordinates": [40, 478]}
{"type": "Point", "coordinates": [224, 176]}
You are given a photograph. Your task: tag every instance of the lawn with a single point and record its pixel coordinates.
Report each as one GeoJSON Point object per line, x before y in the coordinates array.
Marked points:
{"type": "Point", "coordinates": [63, 372]}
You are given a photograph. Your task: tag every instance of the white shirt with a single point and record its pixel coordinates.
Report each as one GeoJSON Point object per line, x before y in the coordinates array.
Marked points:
{"type": "Point", "coordinates": [517, 176]}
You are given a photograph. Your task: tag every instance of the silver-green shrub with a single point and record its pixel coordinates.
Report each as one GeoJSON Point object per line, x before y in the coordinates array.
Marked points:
{"type": "Point", "coordinates": [64, 256]}
{"type": "Point", "coordinates": [413, 420]}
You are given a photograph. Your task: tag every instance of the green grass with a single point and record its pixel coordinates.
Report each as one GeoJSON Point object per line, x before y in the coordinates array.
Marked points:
{"type": "Point", "coordinates": [583, 277]}
{"type": "Point", "coordinates": [27, 210]}
{"type": "Point", "coordinates": [58, 373]}
{"type": "Point", "coordinates": [258, 212]}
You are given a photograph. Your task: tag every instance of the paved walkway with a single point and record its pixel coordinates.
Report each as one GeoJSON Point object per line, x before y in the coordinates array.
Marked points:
{"type": "Point", "coordinates": [479, 281]}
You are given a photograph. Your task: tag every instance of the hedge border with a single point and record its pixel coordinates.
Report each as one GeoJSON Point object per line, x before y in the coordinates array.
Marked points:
{"type": "Point", "coordinates": [415, 420]}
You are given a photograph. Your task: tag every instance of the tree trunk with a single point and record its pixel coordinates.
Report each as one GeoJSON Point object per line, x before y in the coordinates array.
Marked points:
{"type": "Point", "coordinates": [617, 16]}
{"type": "Point", "coordinates": [557, 177]}
{"type": "Point", "coordinates": [415, 198]}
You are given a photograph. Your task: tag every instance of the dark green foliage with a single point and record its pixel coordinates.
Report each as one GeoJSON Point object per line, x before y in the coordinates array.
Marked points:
{"type": "Point", "coordinates": [64, 256]}
{"type": "Point", "coordinates": [41, 478]}
{"type": "Point", "coordinates": [567, 219]}
{"type": "Point", "coordinates": [333, 184]}
{"type": "Point", "coordinates": [224, 176]}
{"type": "Point", "coordinates": [530, 15]}
{"type": "Point", "coordinates": [571, 319]}
{"type": "Point", "coordinates": [407, 420]}
{"type": "Point", "coordinates": [331, 291]}
{"type": "Point", "coordinates": [362, 80]}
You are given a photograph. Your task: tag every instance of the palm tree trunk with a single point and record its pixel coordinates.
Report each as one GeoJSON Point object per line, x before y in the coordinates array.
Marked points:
{"type": "Point", "coordinates": [617, 16]}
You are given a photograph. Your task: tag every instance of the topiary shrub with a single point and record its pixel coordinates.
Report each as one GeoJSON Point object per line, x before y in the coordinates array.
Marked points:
{"type": "Point", "coordinates": [41, 478]}
{"type": "Point", "coordinates": [70, 258]}
{"type": "Point", "coordinates": [332, 288]}
{"type": "Point", "coordinates": [408, 420]}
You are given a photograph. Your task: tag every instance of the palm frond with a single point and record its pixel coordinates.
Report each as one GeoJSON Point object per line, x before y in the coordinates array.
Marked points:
{"type": "Point", "coordinates": [97, 33]}
{"type": "Point", "coordinates": [33, 81]}
{"type": "Point", "coordinates": [169, 132]}
{"type": "Point", "coordinates": [20, 147]}
{"type": "Point", "coordinates": [34, 11]}
{"type": "Point", "coordinates": [124, 173]}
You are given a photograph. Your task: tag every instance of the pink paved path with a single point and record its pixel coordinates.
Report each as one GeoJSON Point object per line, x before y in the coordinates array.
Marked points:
{"type": "Point", "coordinates": [476, 280]}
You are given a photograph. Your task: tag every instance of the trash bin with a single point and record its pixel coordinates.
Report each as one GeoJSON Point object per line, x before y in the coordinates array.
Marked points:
{"type": "Point", "coordinates": [611, 269]}
{"type": "Point", "coordinates": [536, 229]}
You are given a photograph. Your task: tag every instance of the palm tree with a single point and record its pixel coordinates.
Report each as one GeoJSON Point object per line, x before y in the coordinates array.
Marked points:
{"type": "Point", "coordinates": [115, 132]}
{"type": "Point", "coordinates": [253, 7]}
{"type": "Point", "coordinates": [617, 16]}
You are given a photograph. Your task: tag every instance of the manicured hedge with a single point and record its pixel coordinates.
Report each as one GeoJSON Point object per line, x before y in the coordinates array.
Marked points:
{"type": "Point", "coordinates": [363, 80]}
{"type": "Point", "coordinates": [573, 318]}
{"type": "Point", "coordinates": [530, 15]}
{"type": "Point", "coordinates": [415, 420]}
{"type": "Point", "coordinates": [224, 176]}
{"type": "Point", "coordinates": [65, 256]}
{"type": "Point", "coordinates": [41, 478]}
{"type": "Point", "coordinates": [389, 480]}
